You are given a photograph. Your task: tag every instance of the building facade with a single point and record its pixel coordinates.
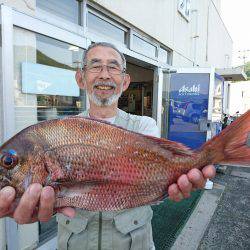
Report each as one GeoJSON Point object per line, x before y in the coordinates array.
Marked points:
{"type": "Point", "coordinates": [42, 46]}
{"type": "Point", "coordinates": [239, 97]}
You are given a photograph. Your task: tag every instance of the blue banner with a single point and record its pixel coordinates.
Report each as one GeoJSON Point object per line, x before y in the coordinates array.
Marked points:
{"type": "Point", "coordinates": [47, 80]}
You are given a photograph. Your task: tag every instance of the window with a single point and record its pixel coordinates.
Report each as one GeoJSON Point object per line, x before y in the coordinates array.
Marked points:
{"type": "Point", "coordinates": [100, 26]}
{"type": "Point", "coordinates": [66, 9]}
{"type": "Point", "coordinates": [164, 56]}
{"type": "Point", "coordinates": [143, 47]}
{"type": "Point", "coordinates": [40, 67]}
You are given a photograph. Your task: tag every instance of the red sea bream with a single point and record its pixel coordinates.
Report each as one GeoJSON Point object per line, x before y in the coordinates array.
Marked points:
{"type": "Point", "coordinates": [101, 167]}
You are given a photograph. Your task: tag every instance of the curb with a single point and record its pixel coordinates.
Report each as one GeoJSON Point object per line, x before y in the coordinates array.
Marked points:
{"type": "Point", "coordinates": [194, 229]}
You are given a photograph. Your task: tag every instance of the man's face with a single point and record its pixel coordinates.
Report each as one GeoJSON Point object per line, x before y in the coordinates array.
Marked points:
{"type": "Point", "coordinates": [103, 77]}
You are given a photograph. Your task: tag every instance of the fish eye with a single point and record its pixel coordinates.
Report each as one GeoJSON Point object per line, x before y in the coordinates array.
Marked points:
{"type": "Point", "coordinates": [9, 159]}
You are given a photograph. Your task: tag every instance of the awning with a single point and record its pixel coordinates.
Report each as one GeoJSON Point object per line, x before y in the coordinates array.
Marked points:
{"type": "Point", "coordinates": [232, 74]}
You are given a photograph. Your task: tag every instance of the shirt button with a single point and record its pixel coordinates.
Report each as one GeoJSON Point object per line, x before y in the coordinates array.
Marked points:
{"type": "Point", "coordinates": [135, 222]}
{"type": "Point", "coordinates": [67, 222]}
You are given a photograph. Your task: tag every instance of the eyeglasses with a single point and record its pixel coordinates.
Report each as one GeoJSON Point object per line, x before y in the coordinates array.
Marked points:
{"type": "Point", "coordinates": [112, 68]}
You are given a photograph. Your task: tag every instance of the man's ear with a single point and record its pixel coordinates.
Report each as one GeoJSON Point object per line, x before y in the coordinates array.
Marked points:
{"type": "Point", "coordinates": [126, 82]}
{"type": "Point", "coordinates": [79, 76]}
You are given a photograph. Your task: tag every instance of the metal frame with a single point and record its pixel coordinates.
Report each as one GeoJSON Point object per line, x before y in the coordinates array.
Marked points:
{"type": "Point", "coordinates": [157, 96]}
{"type": "Point", "coordinates": [43, 27]}
{"type": "Point", "coordinates": [7, 73]}
{"type": "Point", "coordinates": [8, 109]}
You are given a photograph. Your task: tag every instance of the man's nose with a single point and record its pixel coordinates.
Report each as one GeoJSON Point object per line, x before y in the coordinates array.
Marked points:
{"type": "Point", "coordinates": [104, 74]}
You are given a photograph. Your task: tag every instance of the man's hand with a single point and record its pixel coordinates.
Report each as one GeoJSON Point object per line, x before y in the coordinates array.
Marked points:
{"type": "Point", "coordinates": [36, 204]}
{"type": "Point", "coordinates": [189, 182]}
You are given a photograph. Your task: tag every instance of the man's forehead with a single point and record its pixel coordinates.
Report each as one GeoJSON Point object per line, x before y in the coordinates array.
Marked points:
{"type": "Point", "coordinates": [104, 54]}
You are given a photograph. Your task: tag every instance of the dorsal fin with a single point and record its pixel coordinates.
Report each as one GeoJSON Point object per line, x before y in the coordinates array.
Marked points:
{"type": "Point", "coordinates": [175, 147]}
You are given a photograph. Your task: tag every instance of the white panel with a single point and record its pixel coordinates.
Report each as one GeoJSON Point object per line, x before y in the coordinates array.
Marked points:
{"type": "Point", "coordinates": [7, 73]}
{"type": "Point", "coordinates": [160, 73]}
{"type": "Point", "coordinates": [50, 245]}
{"type": "Point", "coordinates": [28, 236]}
{"type": "Point", "coordinates": [2, 235]}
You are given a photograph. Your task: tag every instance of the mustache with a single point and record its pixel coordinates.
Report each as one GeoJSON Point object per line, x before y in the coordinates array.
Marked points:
{"type": "Point", "coordinates": [110, 84]}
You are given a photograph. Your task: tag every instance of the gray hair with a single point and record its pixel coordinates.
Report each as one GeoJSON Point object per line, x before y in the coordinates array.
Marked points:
{"type": "Point", "coordinates": [103, 44]}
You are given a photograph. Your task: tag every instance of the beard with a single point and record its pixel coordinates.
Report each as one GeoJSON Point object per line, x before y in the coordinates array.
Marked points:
{"type": "Point", "coordinates": [104, 102]}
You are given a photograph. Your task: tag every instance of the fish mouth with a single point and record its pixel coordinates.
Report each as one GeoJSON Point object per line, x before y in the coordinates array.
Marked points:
{"type": "Point", "coordinates": [4, 181]}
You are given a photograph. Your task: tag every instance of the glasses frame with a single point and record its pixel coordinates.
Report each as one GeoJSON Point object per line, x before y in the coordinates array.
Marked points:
{"type": "Point", "coordinates": [87, 66]}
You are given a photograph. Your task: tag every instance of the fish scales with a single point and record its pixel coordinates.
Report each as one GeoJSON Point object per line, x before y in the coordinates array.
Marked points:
{"type": "Point", "coordinates": [101, 167]}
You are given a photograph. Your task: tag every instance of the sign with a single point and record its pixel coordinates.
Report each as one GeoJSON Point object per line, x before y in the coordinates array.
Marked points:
{"type": "Point", "coordinates": [184, 8]}
{"type": "Point", "coordinates": [188, 110]}
{"type": "Point", "coordinates": [47, 80]}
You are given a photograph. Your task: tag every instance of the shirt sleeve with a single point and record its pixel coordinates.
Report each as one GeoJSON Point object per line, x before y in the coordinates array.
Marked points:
{"type": "Point", "coordinates": [148, 127]}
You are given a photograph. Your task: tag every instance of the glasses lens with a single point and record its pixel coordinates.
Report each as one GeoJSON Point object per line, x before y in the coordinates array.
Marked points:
{"type": "Point", "coordinates": [95, 68]}
{"type": "Point", "coordinates": [111, 68]}
{"type": "Point", "coordinates": [114, 69]}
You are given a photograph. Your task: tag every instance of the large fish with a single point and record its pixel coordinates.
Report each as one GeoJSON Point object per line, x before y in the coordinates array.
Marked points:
{"type": "Point", "coordinates": [98, 166]}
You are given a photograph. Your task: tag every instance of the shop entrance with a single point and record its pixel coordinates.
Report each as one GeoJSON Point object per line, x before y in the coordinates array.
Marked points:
{"type": "Point", "coordinates": [138, 98]}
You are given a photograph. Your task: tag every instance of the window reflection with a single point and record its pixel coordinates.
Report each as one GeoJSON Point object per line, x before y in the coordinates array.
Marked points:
{"type": "Point", "coordinates": [100, 26]}
{"type": "Point", "coordinates": [66, 9]}
{"type": "Point", "coordinates": [143, 47]}
{"type": "Point", "coordinates": [61, 55]}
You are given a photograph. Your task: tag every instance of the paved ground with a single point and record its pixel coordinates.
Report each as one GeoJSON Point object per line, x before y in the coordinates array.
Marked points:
{"type": "Point", "coordinates": [221, 219]}
{"type": "Point", "coordinates": [230, 224]}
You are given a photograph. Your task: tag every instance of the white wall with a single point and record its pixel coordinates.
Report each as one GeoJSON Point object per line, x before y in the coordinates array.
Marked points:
{"type": "Point", "coordinates": [220, 44]}
{"type": "Point", "coordinates": [26, 6]}
{"type": "Point", "coordinates": [217, 3]}
{"type": "Point", "coordinates": [160, 19]}
{"type": "Point", "coordinates": [239, 97]}
{"type": "Point", "coordinates": [202, 41]}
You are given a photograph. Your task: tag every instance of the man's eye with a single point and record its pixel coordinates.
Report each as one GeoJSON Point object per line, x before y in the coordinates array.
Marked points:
{"type": "Point", "coordinates": [114, 67]}
{"type": "Point", "coordinates": [95, 66]}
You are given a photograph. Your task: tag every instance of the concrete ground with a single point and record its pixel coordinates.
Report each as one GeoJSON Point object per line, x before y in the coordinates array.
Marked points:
{"type": "Point", "coordinates": [221, 219]}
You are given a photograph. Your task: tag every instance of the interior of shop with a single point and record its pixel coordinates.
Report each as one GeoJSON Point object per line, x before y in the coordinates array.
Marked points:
{"type": "Point", "coordinates": [138, 98]}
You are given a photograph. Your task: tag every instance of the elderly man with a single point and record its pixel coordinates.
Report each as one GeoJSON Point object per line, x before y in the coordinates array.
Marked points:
{"type": "Point", "coordinates": [104, 78]}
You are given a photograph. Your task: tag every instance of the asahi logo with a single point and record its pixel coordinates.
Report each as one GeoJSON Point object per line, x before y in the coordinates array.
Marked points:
{"type": "Point", "coordinates": [193, 90]}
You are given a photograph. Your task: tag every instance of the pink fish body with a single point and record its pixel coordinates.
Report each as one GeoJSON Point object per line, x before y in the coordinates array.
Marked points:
{"type": "Point", "coordinates": [98, 166]}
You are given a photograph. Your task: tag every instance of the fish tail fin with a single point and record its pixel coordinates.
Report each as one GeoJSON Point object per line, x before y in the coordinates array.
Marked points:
{"type": "Point", "coordinates": [232, 145]}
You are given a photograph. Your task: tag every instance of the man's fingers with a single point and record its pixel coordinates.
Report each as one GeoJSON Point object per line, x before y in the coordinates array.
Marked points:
{"type": "Point", "coordinates": [67, 211]}
{"type": "Point", "coordinates": [46, 206]}
{"type": "Point", "coordinates": [27, 205]}
{"type": "Point", "coordinates": [209, 171]}
{"type": "Point", "coordinates": [174, 193]}
{"type": "Point", "coordinates": [184, 185]}
{"type": "Point", "coordinates": [7, 196]}
{"type": "Point", "coordinates": [196, 177]}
